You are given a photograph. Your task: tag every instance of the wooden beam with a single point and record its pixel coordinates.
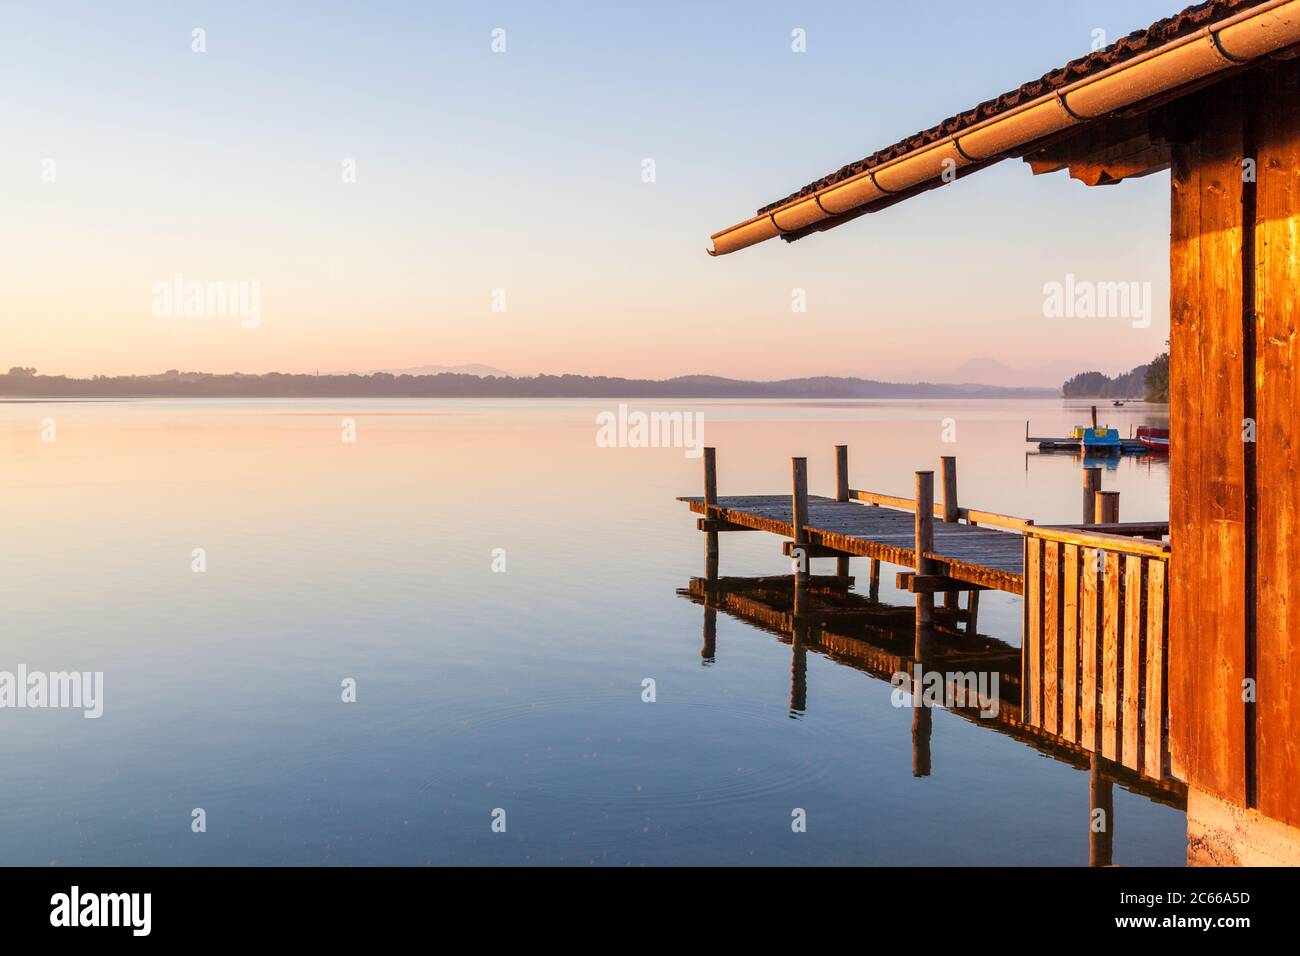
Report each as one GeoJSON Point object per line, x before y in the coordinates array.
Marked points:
{"type": "Point", "coordinates": [715, 525]}
{"type": "Point", "coordinates": [932, 583]}
{"type": "Point", "coordinates": [810, 550]}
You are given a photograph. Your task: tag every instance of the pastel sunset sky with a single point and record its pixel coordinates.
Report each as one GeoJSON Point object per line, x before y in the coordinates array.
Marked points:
{"type": "Point", "coordinates": [522, 171]}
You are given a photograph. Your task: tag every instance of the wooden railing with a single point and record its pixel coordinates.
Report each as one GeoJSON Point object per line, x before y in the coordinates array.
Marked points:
{"type": "Point", "coordinates": [1096, 643]}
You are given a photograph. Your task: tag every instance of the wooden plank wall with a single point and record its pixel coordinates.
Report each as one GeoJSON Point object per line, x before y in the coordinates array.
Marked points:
{"type": "Point", "coordinates": [1207, 568]}
{"type": "Point", "coordinates": [1277, 449]}
{"type": "Point", "coordinates": [1096, 643]}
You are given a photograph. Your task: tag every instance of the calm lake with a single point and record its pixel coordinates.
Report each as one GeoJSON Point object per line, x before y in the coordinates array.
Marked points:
{"type": "Point", "coordinates": [498, 587]}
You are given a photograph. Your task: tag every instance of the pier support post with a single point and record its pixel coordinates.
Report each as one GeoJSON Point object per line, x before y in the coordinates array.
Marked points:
{"type": "Point", "coordinates": [948, 478]}
{"type": "Point", "coordinates": [948, 469]}
{"type": "Point", "coordinates": [799, 518]}
{"type": "Point", "coordinates": [1106, 508]}
{"type": "Point", "coordinates": [924, 542]}
{"type": "Point", "coordinates": [1091, 485]}
{"type": "Point", "coordinates": [873, 593]}
{"type": "Point", "coordinates": [710, 501]}
{"type": "Point", "coordinates": [842, 494]}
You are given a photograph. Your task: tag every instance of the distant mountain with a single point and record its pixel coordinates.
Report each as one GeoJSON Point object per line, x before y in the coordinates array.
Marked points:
{"type": "Point", "coordinates": [480, 370]}
{"type": "Point", "coordinates": [25, 382]}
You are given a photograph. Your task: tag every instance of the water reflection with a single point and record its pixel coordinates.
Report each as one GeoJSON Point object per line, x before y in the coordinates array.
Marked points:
{"type": "Point", "coordinates": [885, 642]}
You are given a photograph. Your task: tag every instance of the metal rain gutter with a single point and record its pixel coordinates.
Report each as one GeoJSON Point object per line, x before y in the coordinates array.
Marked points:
{"type": "Point", "coordinates": [1218, 46]}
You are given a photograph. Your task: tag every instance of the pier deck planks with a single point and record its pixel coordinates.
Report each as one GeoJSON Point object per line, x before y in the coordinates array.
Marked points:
{"type": "Point", "coordinates": [978, 555]}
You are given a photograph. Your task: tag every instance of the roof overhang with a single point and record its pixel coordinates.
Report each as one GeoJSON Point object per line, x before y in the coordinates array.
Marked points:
{"type": "Point", "coordinates": [1221, 46]}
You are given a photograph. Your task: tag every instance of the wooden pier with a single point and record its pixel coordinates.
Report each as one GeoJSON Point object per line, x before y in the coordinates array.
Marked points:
{"type": "Point", "coordinates": [1093, 661]}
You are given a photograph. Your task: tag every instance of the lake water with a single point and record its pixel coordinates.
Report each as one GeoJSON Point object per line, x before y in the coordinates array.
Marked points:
{"type": "Point", "coordinates": [480, 689]}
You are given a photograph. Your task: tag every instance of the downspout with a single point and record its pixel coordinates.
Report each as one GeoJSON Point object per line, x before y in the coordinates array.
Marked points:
{"type": "Point", "coordinates": [1229, 43]}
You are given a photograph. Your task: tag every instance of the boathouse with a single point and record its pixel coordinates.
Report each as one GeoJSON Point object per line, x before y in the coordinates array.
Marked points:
{"type": "Point", "coordinates": [1211, 94]}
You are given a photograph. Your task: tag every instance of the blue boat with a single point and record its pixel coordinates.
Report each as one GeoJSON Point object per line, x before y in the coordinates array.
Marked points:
{"type": "Point", "coordinates": [1097, 440]}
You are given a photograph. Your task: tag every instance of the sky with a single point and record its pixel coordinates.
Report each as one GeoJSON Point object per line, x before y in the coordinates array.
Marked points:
{"type": "Point", "coordinates": [499, 211]}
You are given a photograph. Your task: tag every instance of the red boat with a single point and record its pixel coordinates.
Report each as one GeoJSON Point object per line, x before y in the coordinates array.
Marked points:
{"type": "Point", "coordinates": [1156, 439]}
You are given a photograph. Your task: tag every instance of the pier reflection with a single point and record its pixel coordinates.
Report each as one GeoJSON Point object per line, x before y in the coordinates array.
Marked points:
{"type": "Point", "coordinates": [939, 665]}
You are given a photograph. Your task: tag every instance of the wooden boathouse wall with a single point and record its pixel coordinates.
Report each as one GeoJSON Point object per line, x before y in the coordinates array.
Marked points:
{"type": "Point", "coordinates": [1235, 503]}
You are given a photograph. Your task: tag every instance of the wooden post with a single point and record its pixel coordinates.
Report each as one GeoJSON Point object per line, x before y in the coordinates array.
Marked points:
{"type": "Point", "coordinates": [1094, 416]}
{"type": "Point", "coordinates": [842, 494]}
{"type": "Point", "coordinates": [873, 594]}
{"type": "Point", "coordinates": [1106, 507]}
{"type": "Point", "coordinates": [841, 472]}
{"type": "Point", "coordinates": [948, 477]}
{"type": "Point", "coordinates": [972, 612]}
{"type": "Point", "coordinates": [1091, 485]}
{"type": "Point", "coordinates": [799, 518]}
{"type": "Point", "coordinates": [948, 469]}
{"type": "Point", "coordinates": [711, 501]}
{"type": "Point", "coordinates": [924, 541]}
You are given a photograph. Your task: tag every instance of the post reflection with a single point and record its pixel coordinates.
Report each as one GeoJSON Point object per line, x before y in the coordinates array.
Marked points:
{"type": "Point", "coordinates": [887, 643]}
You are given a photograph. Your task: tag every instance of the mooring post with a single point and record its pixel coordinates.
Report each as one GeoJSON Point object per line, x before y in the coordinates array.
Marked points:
{"type": "Point", "coordinates": [799, 518]}
{"type": "Point", "coordinates": [924, 542]}
{"type": "Point", "coordinates": [948, 473]}
{"type": "Point", "coordinates": [711, 501]}
{"type": "Point", "coordinates": [842, 494]}
{"type": "Point", "coordinates": [948, 468]}
{"type": "Point", "coordinates": [873, 593]}
{"type": "Point", "coordinates": [1106, 508]}
{"type": "Point", "coordinates": [1091, 485]}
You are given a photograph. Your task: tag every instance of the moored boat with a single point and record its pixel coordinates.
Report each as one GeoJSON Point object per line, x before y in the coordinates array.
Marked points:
{"type": "Point", "coordinates": [1156, 439]}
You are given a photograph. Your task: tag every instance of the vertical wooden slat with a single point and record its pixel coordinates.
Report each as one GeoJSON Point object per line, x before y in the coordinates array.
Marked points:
{"type": "Point", "coordinates": [1206, 461]}
{"type": "Point", "coordinates": [1155, 741]}
{"type": "Point", "coordinates": [1110, 661]}
{"type": "Point", "coordinates": [1033, 631]}
{"type": "Point", "coordinates": [1277, 450]}
{"type": "Point", "coordinates": [1132, 757]}
{"type": "Point", "coordinates": [1051, 634]}
{"type": "Point", "coordinates": [1088, 634]}
{"type": "Point", "coordinates": [1070, 645]}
